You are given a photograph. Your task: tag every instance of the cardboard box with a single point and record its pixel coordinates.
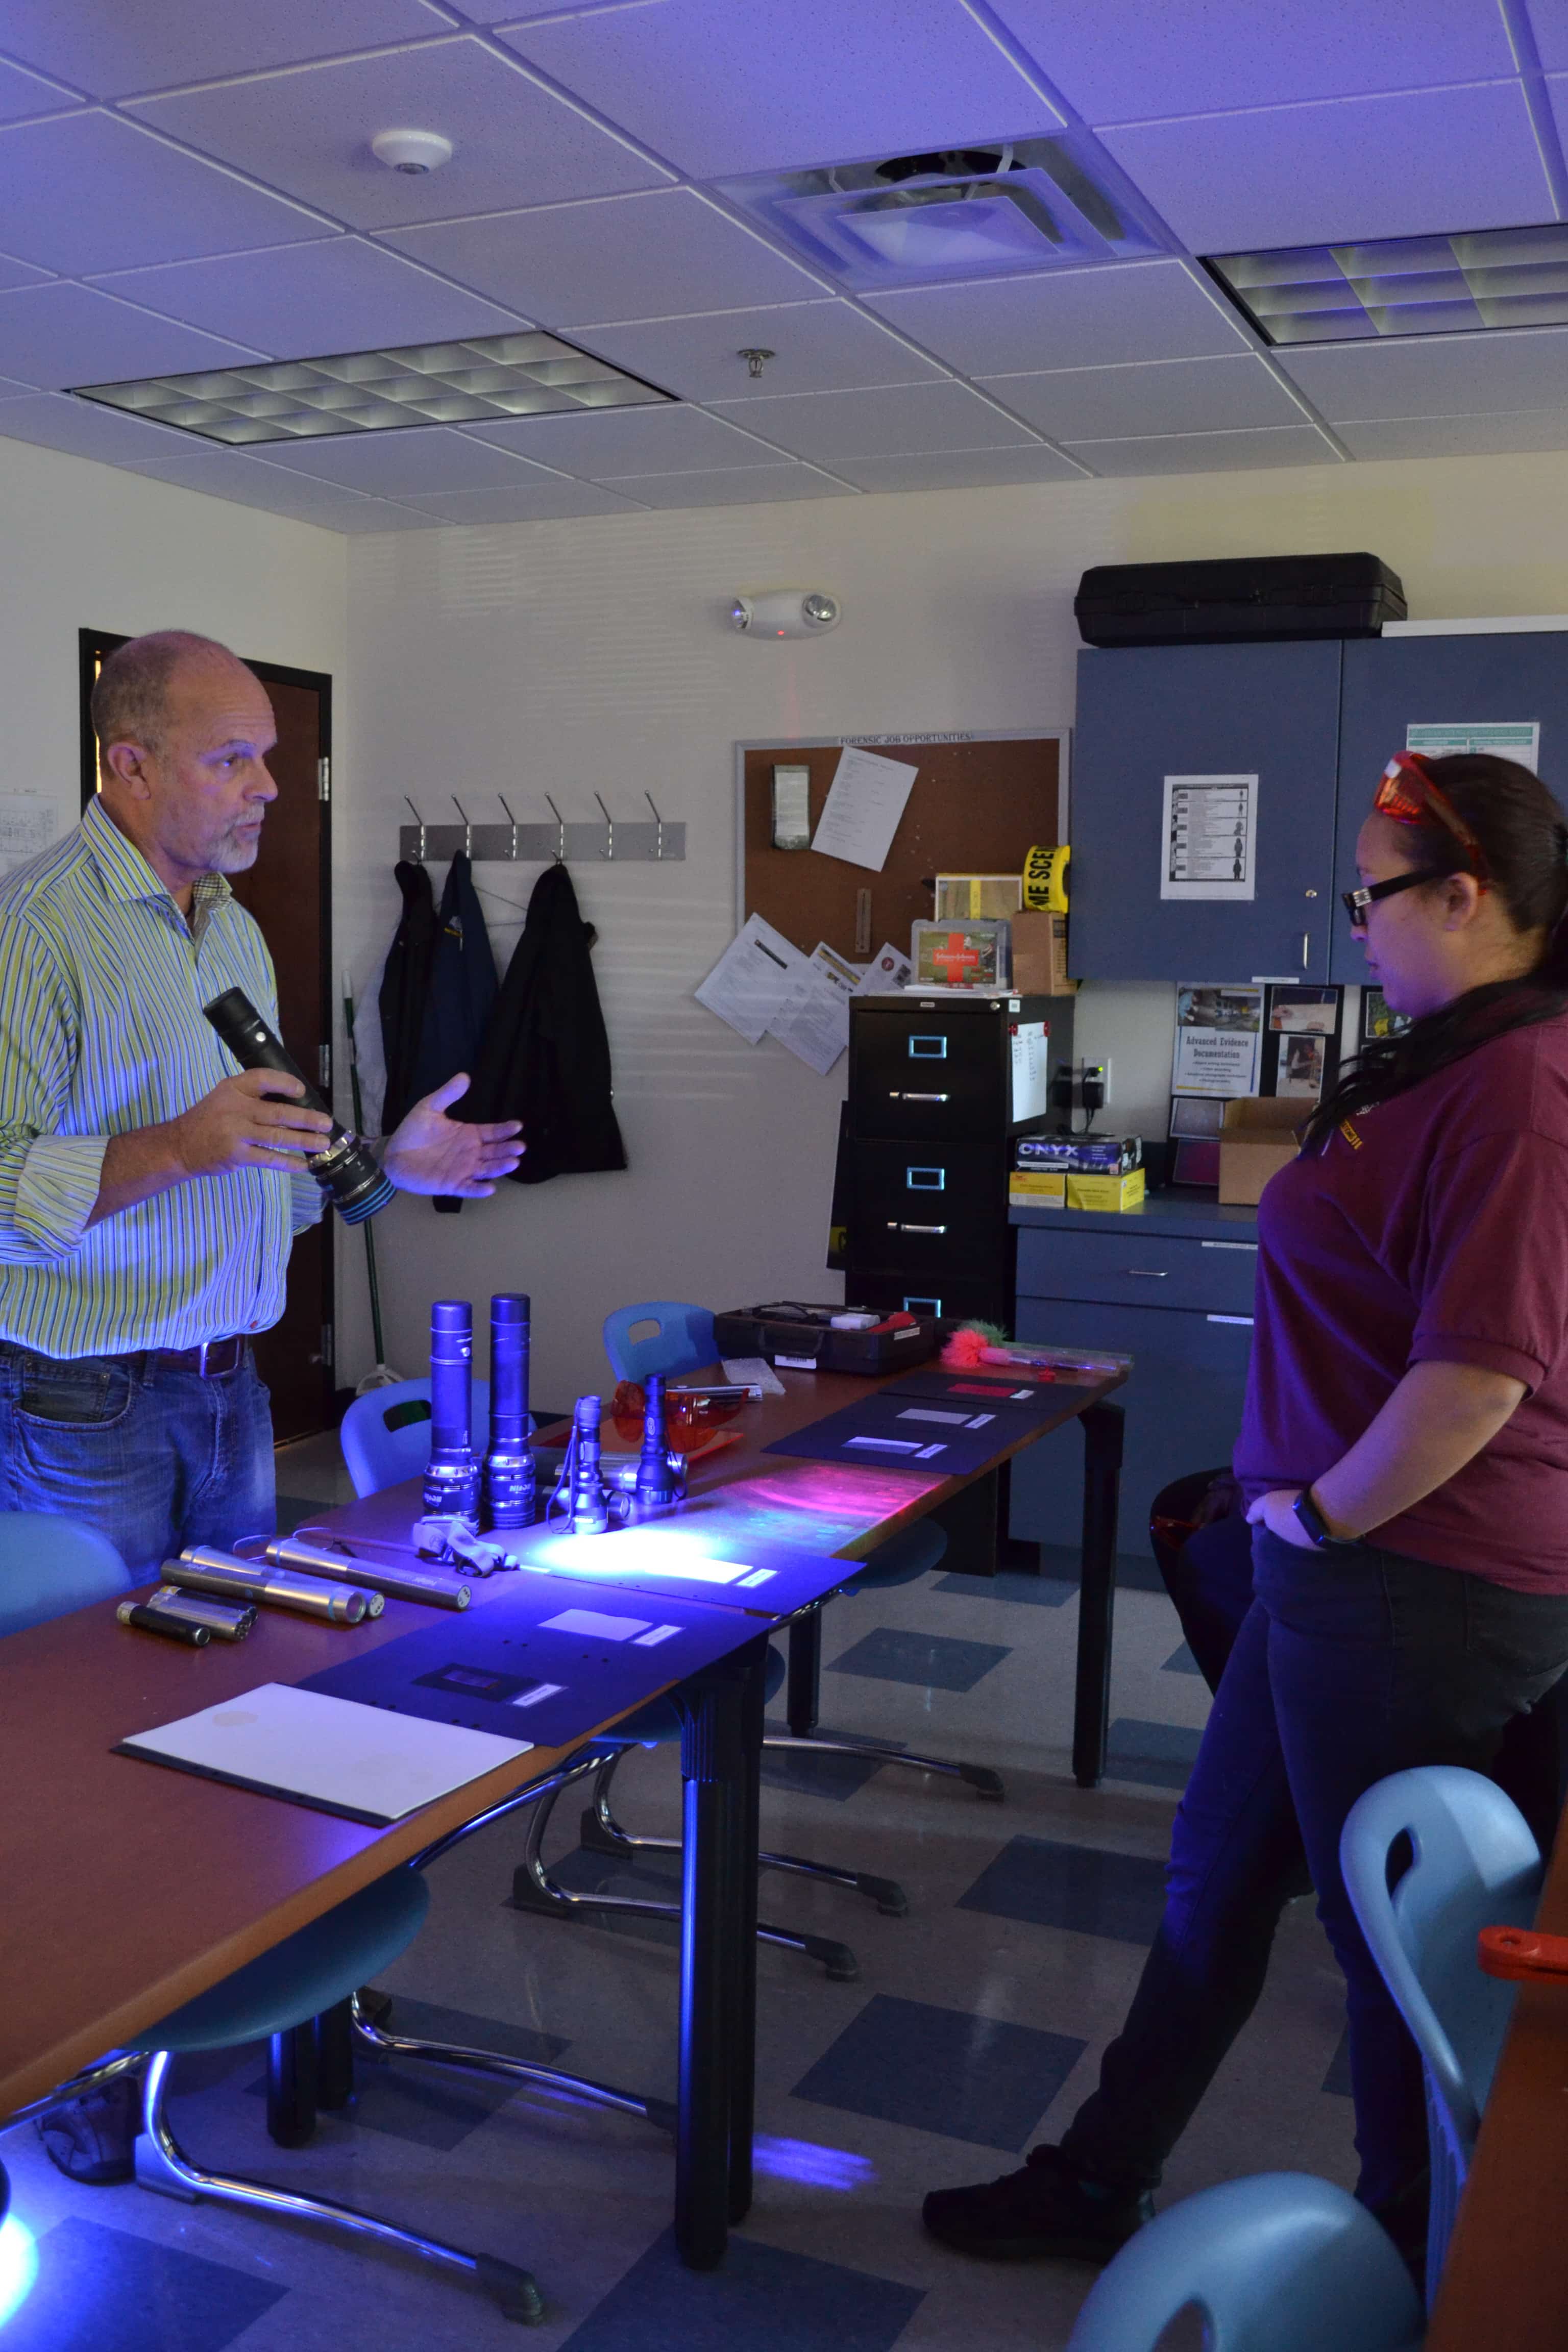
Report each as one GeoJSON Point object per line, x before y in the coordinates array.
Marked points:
{"type": "Point", "coordinates": [1106, 1192]}
{"type": "Point", "coordinates": [1040, 954]}
{"type": "Point", "coordinates": [1080, 1155]}
{"type": "Point", "coordinates": [1037, 1187]}
{"type": "Point", "coordinates": [1256, 1139]}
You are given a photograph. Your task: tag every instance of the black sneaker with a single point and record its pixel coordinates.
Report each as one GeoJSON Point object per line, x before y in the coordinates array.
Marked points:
{"type": "Point", "coordinates": [93, 2139]}
{"type": "Point", "coordinates": [1048, 2208]}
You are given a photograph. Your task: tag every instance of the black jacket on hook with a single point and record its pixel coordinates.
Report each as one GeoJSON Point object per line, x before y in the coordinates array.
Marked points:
{"type": "Point", "coordinates": [546, 1058]}
{"type": "Point", "coordinates": [405, 989]}
{"type": "Point", "coordinates": [462, 989]}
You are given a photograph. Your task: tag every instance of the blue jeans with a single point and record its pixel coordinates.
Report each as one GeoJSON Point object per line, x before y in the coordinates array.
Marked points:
{"type": "Point", "coordinates": [1351, 1664]}
{"type": "Point", "coordinates": [153, 1459]}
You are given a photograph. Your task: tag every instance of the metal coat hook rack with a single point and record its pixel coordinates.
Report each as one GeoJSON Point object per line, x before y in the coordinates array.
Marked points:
{"type": "Point", "coordinates": [518, 842]}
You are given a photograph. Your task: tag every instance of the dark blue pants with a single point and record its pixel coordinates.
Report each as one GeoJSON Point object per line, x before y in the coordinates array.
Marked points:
{"type": "Point", "coordinates": [1349, 1665]}
{"type": "Point", "coordinates": [154, 1459]}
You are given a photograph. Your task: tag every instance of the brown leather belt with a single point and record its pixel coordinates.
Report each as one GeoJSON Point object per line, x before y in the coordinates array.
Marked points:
{"type": "Point", "coordinates": [212, 1357]}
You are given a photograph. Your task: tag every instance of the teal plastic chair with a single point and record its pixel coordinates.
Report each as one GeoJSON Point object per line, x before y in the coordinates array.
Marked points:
{"type": "Point", "coordinates": [50, 1565]}
{"type": "Point", "coordinates": [385, 1434]}
{"type": "Point", "coordinates": [1279, 2263]}
{"type": "Point", "coordinates": [1476, 1865]}
{"type": "Point", "coordinates": [682, 1339]}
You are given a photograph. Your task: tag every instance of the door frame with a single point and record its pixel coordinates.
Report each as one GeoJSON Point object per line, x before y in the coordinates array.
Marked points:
{"type": "Point", "coordinates": [93, 646]}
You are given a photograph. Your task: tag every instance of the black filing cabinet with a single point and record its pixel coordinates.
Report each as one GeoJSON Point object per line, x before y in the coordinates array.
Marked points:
{"type": "Point", "coordinates": [939, 1086]}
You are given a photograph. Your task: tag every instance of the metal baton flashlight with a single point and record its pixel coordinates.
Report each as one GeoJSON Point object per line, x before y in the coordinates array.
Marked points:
{"type": "Point", "coordinates": [509, 1495]}
{"type": "Point", "coordinates": [346, 1170]}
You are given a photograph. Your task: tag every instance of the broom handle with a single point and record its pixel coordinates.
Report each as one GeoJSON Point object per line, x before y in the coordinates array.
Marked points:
{"type": "Point", "coordinates": [359, 1119]}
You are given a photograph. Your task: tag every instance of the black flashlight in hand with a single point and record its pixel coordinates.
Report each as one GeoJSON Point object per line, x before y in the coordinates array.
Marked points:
{"type": "Point", "coordinates": [346, 1170]}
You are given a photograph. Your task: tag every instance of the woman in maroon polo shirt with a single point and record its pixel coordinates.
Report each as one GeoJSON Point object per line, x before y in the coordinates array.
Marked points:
{"type": "Point", "coordinates": [1404, 1452]}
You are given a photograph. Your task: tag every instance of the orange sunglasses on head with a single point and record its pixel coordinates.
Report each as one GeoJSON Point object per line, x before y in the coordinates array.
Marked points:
{"type": "Point", "coordinates": [1407, 793]}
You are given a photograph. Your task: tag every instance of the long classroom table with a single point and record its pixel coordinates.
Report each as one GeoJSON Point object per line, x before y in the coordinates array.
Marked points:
{"type": "Point", "coordinates": [132, 1888]}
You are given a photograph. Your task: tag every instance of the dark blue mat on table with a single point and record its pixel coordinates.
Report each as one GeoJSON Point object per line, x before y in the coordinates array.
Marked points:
{"type": "Point", "coordinates": [991, 1384]}
{"type": "Point", "coordinates": [685, 1557]}
{"type": "Point", "coordinates": [951, 1439]}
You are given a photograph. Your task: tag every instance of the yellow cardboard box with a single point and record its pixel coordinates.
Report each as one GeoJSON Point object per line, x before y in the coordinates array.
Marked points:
{"type": "Point", "coordinates": [1037, 1187]}
{"type": "Point", "coordinates": [1257, 1139]}
{"type": "Point", "coordinates": [1106, 1192]}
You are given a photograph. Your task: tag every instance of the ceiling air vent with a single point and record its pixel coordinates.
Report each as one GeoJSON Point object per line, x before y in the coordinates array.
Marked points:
{"type": "Point", "coordinates": [1402, 285]}
{"type": "Point", "coordinates": [1011, 204]}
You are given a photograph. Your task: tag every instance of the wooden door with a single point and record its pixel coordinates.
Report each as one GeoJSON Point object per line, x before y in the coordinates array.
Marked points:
{"type": "Point", "coordinates": [287, 890]}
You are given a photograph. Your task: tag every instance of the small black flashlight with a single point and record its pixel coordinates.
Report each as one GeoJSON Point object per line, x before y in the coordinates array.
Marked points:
{"type": "Point", "coordinates": [346, 1170]}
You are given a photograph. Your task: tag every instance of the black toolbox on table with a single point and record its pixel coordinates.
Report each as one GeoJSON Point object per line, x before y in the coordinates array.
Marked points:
{"type": "Point", "coordinates": [800, 1337]}
{"type": "Point", "coordinates": [1238, 599]}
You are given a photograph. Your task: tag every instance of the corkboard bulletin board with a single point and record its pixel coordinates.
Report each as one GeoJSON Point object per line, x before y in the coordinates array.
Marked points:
{"type": "Point", "coordinates": [978, 805]}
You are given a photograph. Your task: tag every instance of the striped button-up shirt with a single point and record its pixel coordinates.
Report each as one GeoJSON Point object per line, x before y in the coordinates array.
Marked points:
{"type": "Point", "coordinates": [101, 987]}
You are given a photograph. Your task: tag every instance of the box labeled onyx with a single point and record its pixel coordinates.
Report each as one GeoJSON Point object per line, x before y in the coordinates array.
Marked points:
{"type": "Point", "coordinates": [1082, 1155]}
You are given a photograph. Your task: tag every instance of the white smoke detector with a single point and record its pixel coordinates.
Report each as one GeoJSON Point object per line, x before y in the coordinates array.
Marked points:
{"type": "Point", "coordinates": [411, 150]}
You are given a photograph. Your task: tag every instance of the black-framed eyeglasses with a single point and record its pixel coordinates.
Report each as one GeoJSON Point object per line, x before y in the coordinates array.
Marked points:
{"type": "Point", "coordinates": [1356, 902]}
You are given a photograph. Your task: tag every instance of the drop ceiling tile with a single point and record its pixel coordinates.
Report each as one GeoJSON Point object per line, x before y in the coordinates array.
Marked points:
{"type": "Point", "coordinates": [1080, 318]}
{"type": "Point", "coordinates": [709, 87]}
{"type": "Point", "coordinates": [637, 256]}
{"type": "Point", "coordinates": [1162, 62]}
{"type": "Point", "coordinates": [959, 469]}
{"type": "Point", "coordinates": [816, 347]}
{"type": "Point", "coordinates": [84, 430]}
{"type": "Point", "coordinates": [309, 131]}
{"type": "Point", "coordinates": [605, 441]}
{"type": "Point", "coordinates": [339, 294]}
{"type": "Point", "coordinates": [245, 481]}
{"type": "Point", "coordinates": [1365, 167]}
{"type": "Point", "coordinates": [23, 93]}
{"type": "Point", "coordinates": [895, 421]}
{"type": "Point", "coordinates": [118, 45]}
{"type": "Point", "coordinates": [1156, 397]}
{"type": "Point", "coordinates": [117, 197]}
{"type": "Point", "coordinates": [396, 463]}
{"type": "Point", "coordinates": [746, 486]}
{"type": "Point", "coordinates": [538, 501]}
{"type": "Point", "coordinates": [1207, 453]}
{"type": "Point", "coordinates": [18, 273]}
{"type": "Point", "coordinates": [1440, 436]}
{"type": "Point", "coordinates": [1549, 19]}
{"type": "Point", "coordinates": [1557, 85]}
{"type": "Point", "coordinates": [63, 335]}
{"type": "Point", "coordinates": [1432, 376]}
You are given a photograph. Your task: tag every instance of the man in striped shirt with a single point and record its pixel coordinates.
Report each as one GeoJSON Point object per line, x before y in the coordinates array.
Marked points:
{"type": "Point", "coordinates": [148, 1193]}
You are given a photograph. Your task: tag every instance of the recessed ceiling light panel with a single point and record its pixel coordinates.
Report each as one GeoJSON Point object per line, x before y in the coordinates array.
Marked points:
{"type": "Point", "coordinates": [1012, 205]}
{"type": "Point", "coordinates": [479, 381]}
{"type": "Point", "coordinates": [1402, 285]}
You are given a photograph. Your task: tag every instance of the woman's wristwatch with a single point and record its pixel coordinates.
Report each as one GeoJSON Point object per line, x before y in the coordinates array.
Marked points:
{"type": "Point", "coordinates": [1312, 1519]}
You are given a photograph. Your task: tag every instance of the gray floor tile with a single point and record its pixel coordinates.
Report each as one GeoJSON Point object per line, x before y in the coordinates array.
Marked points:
{"type": "Point", "coordinates": [98, 2288]}
{"type": "Point", "coordinates": [1338, 2078]}
{"type": "Point", "coordinates": [764, 2300]}
{"type": "Point", "coordinates": [931, 1661]}
{"type": "Point", "coordinates": [1011, 1584]}
{"type": "Point", "coordinates": [1162, 1755]}
{"type": "Point", "coordinates": [1182, 1662]}
{"type": "Point", "coordinates": [942, 2070]}
{"type": "Point", "coordinates": [432, 2108]}
{"type": "Point", "coordinates": [1082, 1887]}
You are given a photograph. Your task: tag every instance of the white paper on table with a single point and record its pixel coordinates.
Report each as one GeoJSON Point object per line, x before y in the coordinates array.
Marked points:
{"type": "Point", "coordinates": [753, 1371]}
{"type": "Point", "coordinates": [751, 978]}
{"type": "Point", "coordinates": [888, 972]}
{"type": "Point", "coordinates": [863, 805]}
{"type": "Point", "coordinates": [364, 1762]}
{"type": "Point", "coordinates": [813, 1021]}
{"type": "Point", "coordinates": [29, 822]}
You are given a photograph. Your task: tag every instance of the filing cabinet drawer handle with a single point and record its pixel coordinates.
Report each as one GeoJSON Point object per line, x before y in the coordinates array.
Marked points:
{"type": "Point", "coordinates": [894, 1227]}
{"type": "Point", "coordinates": [928, 1049]}
{"type": "Point", "coordinates": [1148, 1273]}
{"type": "Point", "coordinates": [925, 1180]}
{"type": "Point", "coordinates": [1245, 1319]}
{"type": "Point", "coordinates": [1236, 1245]}
{"type": "Point", "coordinates": [894, 1095]}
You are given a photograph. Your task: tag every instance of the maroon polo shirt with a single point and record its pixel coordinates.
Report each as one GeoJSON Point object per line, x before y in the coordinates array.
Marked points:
{"type": "Point", "coordinates": [1432, 1228]}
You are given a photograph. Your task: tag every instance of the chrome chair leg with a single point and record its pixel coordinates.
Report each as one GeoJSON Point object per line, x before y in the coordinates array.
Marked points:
{"type": "Point", "coordinates": [384, 2044]}
{"type": "Point", "coordinates": [600, 1832]}
{"type": "Point", "coordinates": [978, 1777]}
{"type": "Point", "coordinates": [162, 2165]}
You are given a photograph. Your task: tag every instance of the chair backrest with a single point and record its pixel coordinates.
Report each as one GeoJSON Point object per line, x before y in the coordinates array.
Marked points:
{"type": "Point", "coordinates": [1280, 2262]}
{"type": "Point", "coordinates": [680, 1340]}
{"type": "Point", "coordinates": [49, 1565]}
{"type": "Point", "coordinates": [1476, 1864]}
{"type": "Point", "coordinates": [385, 1434]}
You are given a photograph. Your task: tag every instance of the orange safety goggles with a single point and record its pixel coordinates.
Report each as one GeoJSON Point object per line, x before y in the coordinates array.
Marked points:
{"type": "Point", "coordinates": [1408, 794]}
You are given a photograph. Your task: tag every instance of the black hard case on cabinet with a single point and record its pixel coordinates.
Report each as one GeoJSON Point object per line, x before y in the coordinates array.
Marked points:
{"type": "Point", "coordinates": [1237, 599]}
{"type": "Point", "coordinates": [929, 1125]}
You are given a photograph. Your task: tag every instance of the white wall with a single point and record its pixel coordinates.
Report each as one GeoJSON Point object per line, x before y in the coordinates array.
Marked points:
{"type": "Point", "coordinates": [564, 656]}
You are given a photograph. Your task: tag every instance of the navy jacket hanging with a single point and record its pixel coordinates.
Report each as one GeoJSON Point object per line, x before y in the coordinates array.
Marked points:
{"type": "Point", "coordinates": [405, 989]}
{"type": "Point", "coordinates": [462, 988]}
{"type": "Point", "coordinates": [546, 1059]}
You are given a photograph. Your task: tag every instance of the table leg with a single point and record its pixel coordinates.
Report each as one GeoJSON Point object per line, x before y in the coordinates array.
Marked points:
{"type": "Point", "coordinates": [292, 2085]}
{"type": "Point", "coordinates": [744, 2016]}
{"type": "Point", "coordinates": [1103, 1435]}
{"type": "Point", "coordinates": [805, 1674]}
{"type": "Point", "coordinates": [712, 1710]}
{"type": "Point", "coordinates": [335, 2058]}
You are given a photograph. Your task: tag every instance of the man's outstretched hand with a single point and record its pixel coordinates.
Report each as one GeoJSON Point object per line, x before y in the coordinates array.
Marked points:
{"type": "Point", "coordinates": [432, 1153]}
